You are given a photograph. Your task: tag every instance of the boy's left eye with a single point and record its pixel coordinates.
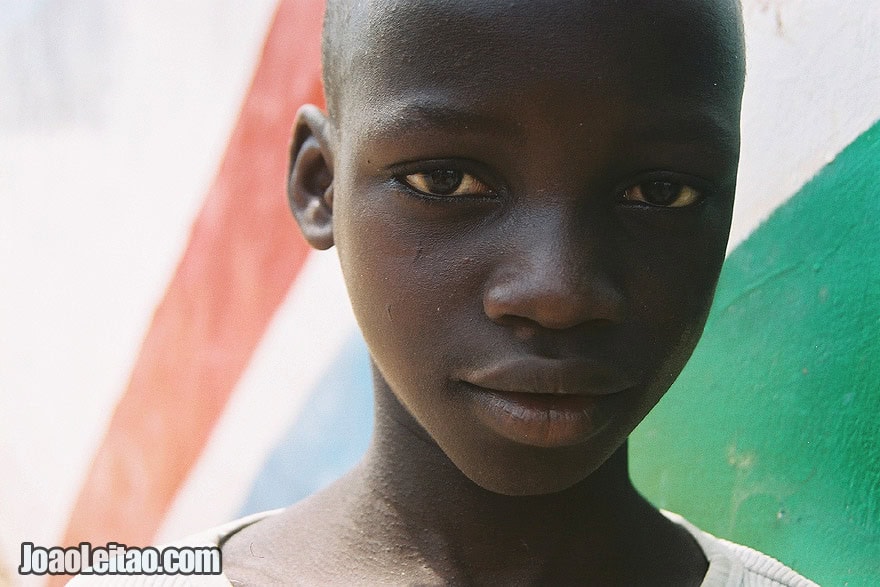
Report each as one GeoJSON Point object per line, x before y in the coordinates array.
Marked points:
{"type": "Point", "coordinates": [447, 183]}
{"type": "Point", "coordinates": [667, 194]}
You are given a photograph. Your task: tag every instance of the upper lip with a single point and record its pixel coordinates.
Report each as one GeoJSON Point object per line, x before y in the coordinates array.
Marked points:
{"type": "Point", "coordinates": [549, 376]}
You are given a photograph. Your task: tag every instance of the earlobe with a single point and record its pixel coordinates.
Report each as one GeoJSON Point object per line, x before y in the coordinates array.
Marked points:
{"type": "Point", "coordinates": [310, 181]}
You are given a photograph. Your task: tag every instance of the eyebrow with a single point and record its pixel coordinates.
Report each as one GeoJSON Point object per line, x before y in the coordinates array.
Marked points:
{"type": "Point", "coordinates": [426, 115]}
{"type": "Point", "coordinates": [395, 119]}
{"type": "Point", "coordinates": [695, 128]}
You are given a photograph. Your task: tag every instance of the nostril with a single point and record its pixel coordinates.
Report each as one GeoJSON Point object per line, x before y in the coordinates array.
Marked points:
{"type": "Point", "coordinates": [523, 329]}
{"type": "Point", "coordinates": [529, 303]}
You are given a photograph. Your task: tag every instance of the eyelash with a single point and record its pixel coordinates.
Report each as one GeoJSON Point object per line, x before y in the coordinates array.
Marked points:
{"type": "Point", "coordinates": [416, 181]}
{"type": "Point", "coordinates": [634, 194]}
{"type": "Point", "coordinates": [684, 194]}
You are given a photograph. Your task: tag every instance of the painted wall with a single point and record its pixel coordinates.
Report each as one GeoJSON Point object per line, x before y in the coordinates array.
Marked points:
{"type": "Point", "coordinates": [129, 134]}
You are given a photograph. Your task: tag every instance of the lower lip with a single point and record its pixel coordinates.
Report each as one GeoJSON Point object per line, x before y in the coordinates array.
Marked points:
{"type": "Point", "coordinates": [542, 420]}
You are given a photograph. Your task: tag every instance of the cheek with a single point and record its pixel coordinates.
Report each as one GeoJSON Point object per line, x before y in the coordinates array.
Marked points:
{"type": "Point", "coordinates": [413, 292]}
{"type": "Point", "coordinates": [671, 289]}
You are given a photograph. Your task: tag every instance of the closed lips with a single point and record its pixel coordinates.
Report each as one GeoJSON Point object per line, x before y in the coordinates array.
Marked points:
{"type": "Point", "coordinates": [549, 376]}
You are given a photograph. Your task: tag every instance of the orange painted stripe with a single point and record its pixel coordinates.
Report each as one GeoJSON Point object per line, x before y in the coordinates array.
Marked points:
{"type": "Point", "coordinates": [243, 254]}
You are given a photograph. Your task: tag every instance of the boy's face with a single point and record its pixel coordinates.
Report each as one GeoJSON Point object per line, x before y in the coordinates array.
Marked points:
{"type": "Point", "coordinates": [531, 203]}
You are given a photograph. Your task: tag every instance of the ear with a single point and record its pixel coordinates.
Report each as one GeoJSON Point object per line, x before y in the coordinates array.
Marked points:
{"type": "Point", "coordinates": [310, 180]}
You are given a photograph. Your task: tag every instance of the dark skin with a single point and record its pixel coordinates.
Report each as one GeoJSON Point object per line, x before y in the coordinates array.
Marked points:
{"type": "Point", "coordinates": [531, 203]}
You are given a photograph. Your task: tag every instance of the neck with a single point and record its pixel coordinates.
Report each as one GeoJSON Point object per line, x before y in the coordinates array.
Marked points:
{"type": "Point", "coordinates": [412, 491]}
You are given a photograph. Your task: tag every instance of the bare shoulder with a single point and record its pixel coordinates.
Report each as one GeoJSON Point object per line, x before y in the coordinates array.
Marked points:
{"type": "Point", "coordinates": [319, 541]}
{"type": "Point", "coordinates": [279, 549]}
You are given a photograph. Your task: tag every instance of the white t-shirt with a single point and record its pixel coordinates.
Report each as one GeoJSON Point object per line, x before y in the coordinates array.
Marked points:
{"type": "Point", "coordinates": [730, 564]}
{"type": "Point", "coordinates": [735, 565]}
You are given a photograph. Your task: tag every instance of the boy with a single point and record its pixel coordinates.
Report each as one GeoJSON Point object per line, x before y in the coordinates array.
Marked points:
{"type": "Point", "coordinates": [530, 201]}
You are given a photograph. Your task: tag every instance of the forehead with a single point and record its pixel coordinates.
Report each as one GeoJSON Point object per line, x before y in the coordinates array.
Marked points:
{"type": "Point", "coordinates": [651, 54]}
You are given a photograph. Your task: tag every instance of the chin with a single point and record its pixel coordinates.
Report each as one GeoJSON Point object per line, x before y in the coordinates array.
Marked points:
{"type": "Point", "coordinates": [527, 487]}
{"type": "Point", "coordinates": [533, 471]}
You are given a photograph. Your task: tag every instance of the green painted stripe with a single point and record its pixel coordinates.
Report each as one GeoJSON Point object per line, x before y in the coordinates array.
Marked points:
{"type": "Point", "coordinates": [771, 436]}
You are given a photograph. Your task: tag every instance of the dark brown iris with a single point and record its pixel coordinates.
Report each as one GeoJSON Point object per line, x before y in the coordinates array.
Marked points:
{"type": "Point", "coordinates": [444, 181]}
{"type": "Point", "coordinates": [661, 193]}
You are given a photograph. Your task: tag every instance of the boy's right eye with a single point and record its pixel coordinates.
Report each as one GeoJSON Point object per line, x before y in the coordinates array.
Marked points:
{"type": "Point", "coordinates": [447, 183]}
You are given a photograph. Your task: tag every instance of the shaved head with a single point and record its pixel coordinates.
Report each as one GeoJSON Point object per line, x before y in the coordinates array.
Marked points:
{"type": "Point", "coordinates": [335, 52]}
{"type": "Point", "coordinates": [362, 32]}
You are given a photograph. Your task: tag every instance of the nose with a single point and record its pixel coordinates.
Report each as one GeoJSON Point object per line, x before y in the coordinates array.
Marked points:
{"type": "Point", "coordinates": [552, 273]}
